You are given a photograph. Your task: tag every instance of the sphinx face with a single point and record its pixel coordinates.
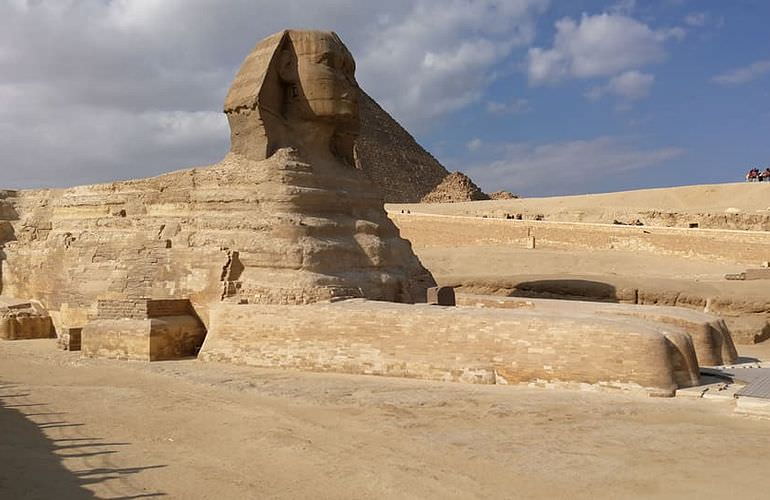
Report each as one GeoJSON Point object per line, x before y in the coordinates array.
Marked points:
{"type": "Point", "coordinates": [325, 74]}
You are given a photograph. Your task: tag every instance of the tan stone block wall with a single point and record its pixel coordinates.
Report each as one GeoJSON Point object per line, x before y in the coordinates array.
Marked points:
{"type": "Point", "coordinates": [452, 344]}
{"type": "Point", "coordinates": [117, 339]}
{"type": "Point", "coordinates": [426, 231]}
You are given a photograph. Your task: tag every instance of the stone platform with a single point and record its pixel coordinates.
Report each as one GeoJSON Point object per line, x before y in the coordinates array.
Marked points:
{"type": "Point", "coordinates": [143, 330]}
{"type": "Point", "coordinates": [463, 344]}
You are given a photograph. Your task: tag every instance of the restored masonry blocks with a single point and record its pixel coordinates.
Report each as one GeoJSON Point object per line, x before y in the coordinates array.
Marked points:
{"type": "Point", "coordinates": [454, 344]}
{"type": "Point", "coordinates": [426, 231]}
{"type": "Point", "coordinates": [441, 296]}
{"type": "Point", "coordinates": [144, 330]}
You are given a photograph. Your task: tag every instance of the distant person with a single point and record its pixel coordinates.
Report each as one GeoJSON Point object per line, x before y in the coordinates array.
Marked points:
{"type": "Point", "coordinates": [753, 175]}
{"type": "Point", "coordinates": [761, 176]}
{"type": "Point", "coordinates": [767, 174]}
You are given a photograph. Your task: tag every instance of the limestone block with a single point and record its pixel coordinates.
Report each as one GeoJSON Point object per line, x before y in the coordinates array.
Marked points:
{"type": "Point", "coordinates": [70, 339]}
{"type": "Point", "coordinates": [710, 335]}
{"type": "Point", "coordinates": [441, 296]}
{"type": "Point", "coordinates": [169, 337]}
{"type": "Point", "coordinates": [757, 274]}
{"type": "Point", "coordinates": [454, 344]}
{"type": "Point", "coordinates": [24, 320]}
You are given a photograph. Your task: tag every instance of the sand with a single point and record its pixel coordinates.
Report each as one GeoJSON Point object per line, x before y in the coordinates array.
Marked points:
{"type": "Point", "coordinates": [73, 428]}
{"type": "Point", "coordinates": [745, 198]}
{"type": "Point", "coordinates": [507, 265]}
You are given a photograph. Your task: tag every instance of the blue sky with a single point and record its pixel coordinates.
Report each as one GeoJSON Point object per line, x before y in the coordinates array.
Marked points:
{"type": "Point", "coordinates": [535, 96]}
{"type": "Point", "coordinates": [707, 129]}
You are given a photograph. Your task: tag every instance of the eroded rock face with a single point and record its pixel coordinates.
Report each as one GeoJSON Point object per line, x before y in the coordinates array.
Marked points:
{"type": "Point", "coordinates": [285, 218]}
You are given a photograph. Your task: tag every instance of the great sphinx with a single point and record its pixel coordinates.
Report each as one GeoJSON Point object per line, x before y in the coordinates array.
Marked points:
{"type": "Point", "coordinates": [286, 257]}
{"type": "Point", "coordinates": [284, 218]}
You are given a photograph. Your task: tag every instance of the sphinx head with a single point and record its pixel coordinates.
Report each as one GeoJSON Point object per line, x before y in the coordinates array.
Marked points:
{"type": "Point", "coordinates": [295, 89]}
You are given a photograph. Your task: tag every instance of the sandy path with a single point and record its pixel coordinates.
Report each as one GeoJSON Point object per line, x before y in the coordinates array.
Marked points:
{"type": "Point", "coordinates": [186, 429]}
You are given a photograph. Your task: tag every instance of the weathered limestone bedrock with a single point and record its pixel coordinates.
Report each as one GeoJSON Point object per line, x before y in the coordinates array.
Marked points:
{"type": "Point", "coordinates": [285, 218]}
{"type": "Point", "coordinates": [24, 320]}
{"type": "Point", "coordinates": [454, 344]}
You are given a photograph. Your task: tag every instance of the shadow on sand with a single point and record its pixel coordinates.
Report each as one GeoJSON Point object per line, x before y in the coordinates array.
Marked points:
{"type": "Point", "coordinates": [31, 462]}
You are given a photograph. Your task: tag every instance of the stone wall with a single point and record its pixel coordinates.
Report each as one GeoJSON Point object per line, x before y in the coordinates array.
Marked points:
{"type": "Point", "coordinates": [711, 337]}
{"type": "Point", "coordinates": [425, 231]}
{"type": "Point", "coordinates": [156, 339]}
{"type": "Point", "coordinates": [453, 344]}
{"type": "Point", "coordinates": [142, 308]}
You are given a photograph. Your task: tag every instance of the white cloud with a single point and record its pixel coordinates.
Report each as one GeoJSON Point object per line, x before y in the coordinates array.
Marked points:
{"type": "Point", "coordinates": [566, 166]}
{"type": "Point", "coordinates": [599, 45]}
{"type": "Point", "coordinates": [474, 144]}
{"type": "Point", "coordinates": [507, 108]}
{"type": "Point", "coordinates": [624, 7]}
{"type": "Point", "coordinates": [126, 88]}
{"type": "Point", "coordinates": [442, 54]}
{"type": "Point", "coordinates": [630, 86]}
{"type": "Point", "coordinates": [744, 74]}
{"type": "Point", "coordinates": [696, 19]}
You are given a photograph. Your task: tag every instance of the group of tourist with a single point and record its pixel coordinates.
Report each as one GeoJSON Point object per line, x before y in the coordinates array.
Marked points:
{"type": "Point", "coordinates": [757, 175]}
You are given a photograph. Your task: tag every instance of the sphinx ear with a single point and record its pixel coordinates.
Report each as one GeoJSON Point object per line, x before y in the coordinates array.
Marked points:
{"type": "Point", "coordinates": [287, 67]}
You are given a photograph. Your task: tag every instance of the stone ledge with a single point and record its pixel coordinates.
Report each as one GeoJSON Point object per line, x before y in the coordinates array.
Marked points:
{"type": "Point", "coordinates": [454, 344]}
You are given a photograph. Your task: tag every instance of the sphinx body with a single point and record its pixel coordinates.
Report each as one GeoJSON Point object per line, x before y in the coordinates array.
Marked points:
{"type": "Point", "coordinates": [285, 218]}
{"type": "Point", "coordinates": [261, 243]}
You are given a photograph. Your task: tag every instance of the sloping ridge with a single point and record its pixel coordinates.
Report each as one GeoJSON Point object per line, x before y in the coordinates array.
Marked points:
{"type": "Point", "coordinates": [402, 169]}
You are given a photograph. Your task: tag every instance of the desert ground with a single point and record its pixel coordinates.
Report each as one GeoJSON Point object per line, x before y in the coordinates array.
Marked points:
{"type": "Point", "coordinates": [84, 428]}
{"type": "Point", "coordinates": [735, 198]}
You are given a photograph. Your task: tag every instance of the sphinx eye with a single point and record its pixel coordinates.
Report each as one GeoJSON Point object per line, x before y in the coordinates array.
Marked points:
{"type": "Point", "coordinates": [326, 58]}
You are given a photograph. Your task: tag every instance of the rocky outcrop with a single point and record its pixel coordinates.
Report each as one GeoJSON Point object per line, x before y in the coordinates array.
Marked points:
{"type": "Point", "coordinates": [454, 188]}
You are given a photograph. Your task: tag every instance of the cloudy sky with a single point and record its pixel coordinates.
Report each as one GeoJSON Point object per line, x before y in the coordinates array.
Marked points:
{"type": "Point", "coordinates": [539, 97]}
